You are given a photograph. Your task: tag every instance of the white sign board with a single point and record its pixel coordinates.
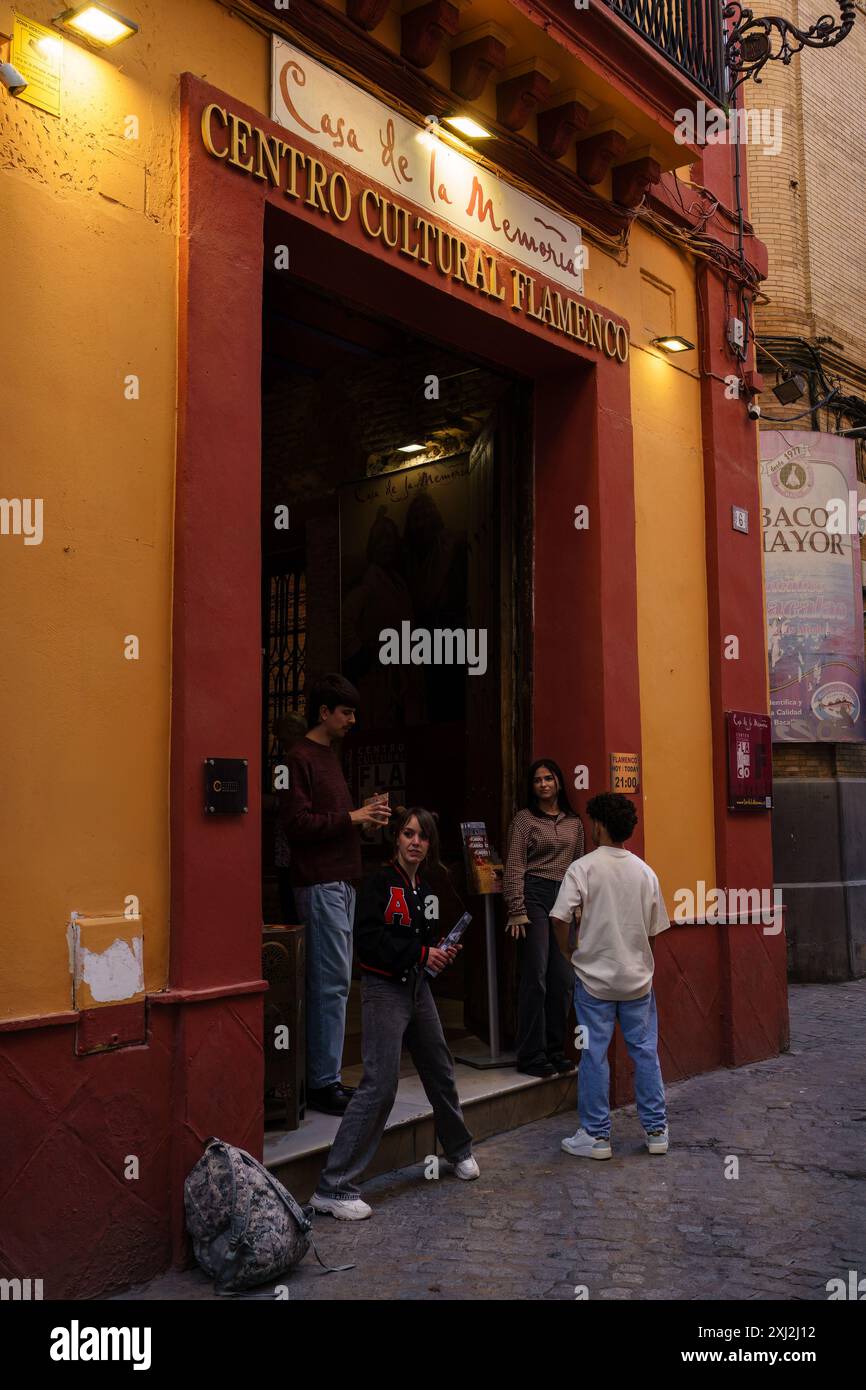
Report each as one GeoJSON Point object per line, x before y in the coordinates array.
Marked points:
{"type": "Point", "coordinates": [419, 167]}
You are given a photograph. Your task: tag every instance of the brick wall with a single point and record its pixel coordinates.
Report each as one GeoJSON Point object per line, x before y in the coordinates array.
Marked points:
{"type": "Point", "coordinates": [850, 760]}
{"type": "Point", "coordinates": [819, 760]}
{"type": "Point", "coordinates": [807, 201]}
{"type": "Point", "coordinates": [807, 204]}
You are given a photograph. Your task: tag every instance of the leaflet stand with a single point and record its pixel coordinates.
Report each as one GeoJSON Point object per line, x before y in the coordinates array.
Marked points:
{"type": "Point", "coordinates": [494, 1058]}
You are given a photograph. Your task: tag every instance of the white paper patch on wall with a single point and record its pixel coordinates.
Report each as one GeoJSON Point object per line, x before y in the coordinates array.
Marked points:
{"type": "Point", "coordinates": [106, 959]}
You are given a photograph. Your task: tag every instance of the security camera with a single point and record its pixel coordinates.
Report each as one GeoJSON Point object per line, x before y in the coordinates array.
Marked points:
{"type": "Point", "coordinates": [12, 79]}
{"type": "Point", "coordinates": [754, 410]}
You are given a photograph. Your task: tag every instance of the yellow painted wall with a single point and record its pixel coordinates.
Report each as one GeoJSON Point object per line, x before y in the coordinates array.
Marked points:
{"type": "Point", "coordinates": [88, 227]}
{"type": "Point", "coordinates": [656, 293]}
{"type": "Point", "coordinates": [88, 231]}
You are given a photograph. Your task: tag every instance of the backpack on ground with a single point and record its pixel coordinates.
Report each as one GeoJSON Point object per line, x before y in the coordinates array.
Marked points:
{"type": "Point", "coordinates": [246, 1228]}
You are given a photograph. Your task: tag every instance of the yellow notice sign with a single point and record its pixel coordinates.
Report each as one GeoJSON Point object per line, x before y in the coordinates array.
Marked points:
{"type": "Point", "coordinates": [37, 53]}
{"type": "Point", "coordinates": [624, 772]}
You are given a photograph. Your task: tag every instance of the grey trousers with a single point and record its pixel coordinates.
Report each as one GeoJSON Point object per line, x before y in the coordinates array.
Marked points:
{"type": "Point", "coordinates": [392, 1012]}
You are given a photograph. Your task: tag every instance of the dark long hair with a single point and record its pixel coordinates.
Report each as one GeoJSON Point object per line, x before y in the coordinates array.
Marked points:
{"type": "Point", "coordinates": [427, 824]}
{"type": "Point", "coordinates": [562, 798]}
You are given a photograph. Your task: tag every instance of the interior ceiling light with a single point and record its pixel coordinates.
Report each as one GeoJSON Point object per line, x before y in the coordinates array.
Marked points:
{"type": "Point", "coordinates": [464, 125]}
{"type": "Point", "coordinates": [98, 24]}
{"type": "Point", "coordinates": [411, 448]}
{"type": "Point", "coordinates": [792, 389]}
{"type": "Point", "coordinates": [673, 343]}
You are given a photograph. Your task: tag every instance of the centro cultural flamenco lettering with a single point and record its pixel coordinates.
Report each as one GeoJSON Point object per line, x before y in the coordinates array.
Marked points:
{"type": "Point", "coordinates": [267, 157]}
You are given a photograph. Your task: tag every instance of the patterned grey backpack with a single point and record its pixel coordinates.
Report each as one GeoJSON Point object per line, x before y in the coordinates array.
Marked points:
{"type": "Point", "coordinates": [246, 1228]}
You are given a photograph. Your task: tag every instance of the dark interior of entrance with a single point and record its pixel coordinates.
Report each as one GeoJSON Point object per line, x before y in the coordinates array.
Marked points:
{"type": "Point", "coordinates": [396, 496]}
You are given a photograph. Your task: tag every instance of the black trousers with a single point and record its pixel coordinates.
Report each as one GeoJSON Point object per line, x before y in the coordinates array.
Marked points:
{"type": "Point", "coordinates": [546, 979]}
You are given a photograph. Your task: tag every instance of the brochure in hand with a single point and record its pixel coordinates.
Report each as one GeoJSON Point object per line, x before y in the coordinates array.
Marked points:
{"type": "Point", "coordinates": [452, 938]}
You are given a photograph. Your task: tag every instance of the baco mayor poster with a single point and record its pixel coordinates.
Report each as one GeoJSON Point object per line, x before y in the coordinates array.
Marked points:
{"type": "Point", "coordinates": [813, 588]}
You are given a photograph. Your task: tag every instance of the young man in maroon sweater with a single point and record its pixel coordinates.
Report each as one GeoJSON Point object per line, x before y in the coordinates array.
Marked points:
{"type": "Point", "coordinates": [322, 829]}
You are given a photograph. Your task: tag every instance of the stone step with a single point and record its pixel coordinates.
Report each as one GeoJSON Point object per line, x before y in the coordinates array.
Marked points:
{"type": "Point", "coordinates": [493, 1102]}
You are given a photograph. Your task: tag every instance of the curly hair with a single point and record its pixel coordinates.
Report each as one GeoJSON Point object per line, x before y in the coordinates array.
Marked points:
{"type": "Point", "coordinates": [615, 812]}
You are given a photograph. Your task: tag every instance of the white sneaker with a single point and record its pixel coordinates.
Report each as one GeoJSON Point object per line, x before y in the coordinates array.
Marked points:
{"type": "Point", "coordinates": [584, 1145]}
{"type": "Point", "coordinates": [657, 1140]}
{"type": "Point", "coordinates": [467, 1169]}
{"type": "Point", "coordinates": [342, 1208]}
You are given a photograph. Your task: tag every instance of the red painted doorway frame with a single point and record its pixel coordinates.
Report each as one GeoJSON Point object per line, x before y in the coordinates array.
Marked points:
{"type": "Point", "coordinates": [585, 585]}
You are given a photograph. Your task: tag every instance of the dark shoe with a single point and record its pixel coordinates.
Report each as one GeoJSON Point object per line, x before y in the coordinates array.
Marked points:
{"type": "Point", "coordinates": [328, 1100]}
{"type": "Point", "coordinates": [538, 1069]}
{"type": "Point", "coordinates": [346, 1090]}
{"type": "Point", "coordinates": [561, 1065]}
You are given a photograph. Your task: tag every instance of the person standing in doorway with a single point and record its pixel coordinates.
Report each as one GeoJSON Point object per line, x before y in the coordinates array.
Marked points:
{"type": "Point", "coordinates": [545, 837]}
{"type": "Point", "coordinates": [396, 928]}
{"type": "Point", "coordinates": [322, 830]}
{"type": "Point", "coordinates": [615, 899]}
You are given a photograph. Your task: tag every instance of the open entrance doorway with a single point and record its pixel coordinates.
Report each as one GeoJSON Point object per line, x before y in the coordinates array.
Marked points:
{"type": "Point", "coordinates": [397, 499]}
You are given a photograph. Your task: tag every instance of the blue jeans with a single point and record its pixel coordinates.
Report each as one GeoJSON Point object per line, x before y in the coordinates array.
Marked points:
{"type": "Point", "coordinates": [327, 911]}
{"type": "Point", "coordinates": [639, 1023]}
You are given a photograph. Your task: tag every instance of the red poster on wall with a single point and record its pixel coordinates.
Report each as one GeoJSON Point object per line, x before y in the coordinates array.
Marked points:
{"type": "Point", "coordinates": [750, 762]}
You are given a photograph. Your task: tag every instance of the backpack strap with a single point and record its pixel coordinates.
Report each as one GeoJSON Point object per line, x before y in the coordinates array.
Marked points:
{"type": "Point", "coordinates": [329, 1269]}
{"type": "Point", "coordinates": [294, 1208]}
{"type": "Point", "coordinates": [277, 1188]}
{"type": "Point", "coordinates": [239, 1218]}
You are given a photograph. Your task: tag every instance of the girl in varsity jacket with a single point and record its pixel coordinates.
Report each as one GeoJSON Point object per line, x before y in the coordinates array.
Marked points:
{"type": "Point", "coordinates": [396, 931]}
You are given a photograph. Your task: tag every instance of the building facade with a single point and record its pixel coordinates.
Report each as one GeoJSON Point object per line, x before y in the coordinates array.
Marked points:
{"type": "Point", "coordinates": [803, 181]}
{"type": "Point", "coordinates": [221, 248]}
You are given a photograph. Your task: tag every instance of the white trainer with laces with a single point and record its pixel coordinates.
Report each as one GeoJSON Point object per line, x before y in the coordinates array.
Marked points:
{"type": "Point", "coordinates": [342, 1208]}
{"type": "Point", "coordinates": [467, 1169]}
{"type": "Point", "coordinates": [584, 1145]}
{"type": "Point", "coordinates": [657, 1140]}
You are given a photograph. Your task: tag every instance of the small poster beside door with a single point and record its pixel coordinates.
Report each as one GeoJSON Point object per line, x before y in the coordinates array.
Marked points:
{"type": "Point", "coordinates": [483, 867]}
{"type": "Point", "coordinates": [625, 772]}
{"type": "Point", "coordinates": [750, 762]}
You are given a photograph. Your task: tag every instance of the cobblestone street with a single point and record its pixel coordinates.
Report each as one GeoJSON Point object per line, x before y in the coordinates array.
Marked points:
{"type": "Point", "coordinates": [540, 1223]}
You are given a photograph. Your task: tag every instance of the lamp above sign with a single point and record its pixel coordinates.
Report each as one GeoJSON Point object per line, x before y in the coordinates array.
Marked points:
{"type": "Point", "coordinates": [339, 118]}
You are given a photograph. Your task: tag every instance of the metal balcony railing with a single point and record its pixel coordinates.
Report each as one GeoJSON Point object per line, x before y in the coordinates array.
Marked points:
{"type": "Point", "coordinates": [690, 33]}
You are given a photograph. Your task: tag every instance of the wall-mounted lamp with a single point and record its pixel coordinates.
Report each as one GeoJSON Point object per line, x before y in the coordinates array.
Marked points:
{"type": "Point", "coordinates": [792, 389]}
{"type": "Point", "coordinates": [753, 41]}
{"type": "Point", "coordinates": [98, 24]}
{"type": "Point", "coordinates": [467, 127]}
{"type": "Point", "coordinates": [672, 342]}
